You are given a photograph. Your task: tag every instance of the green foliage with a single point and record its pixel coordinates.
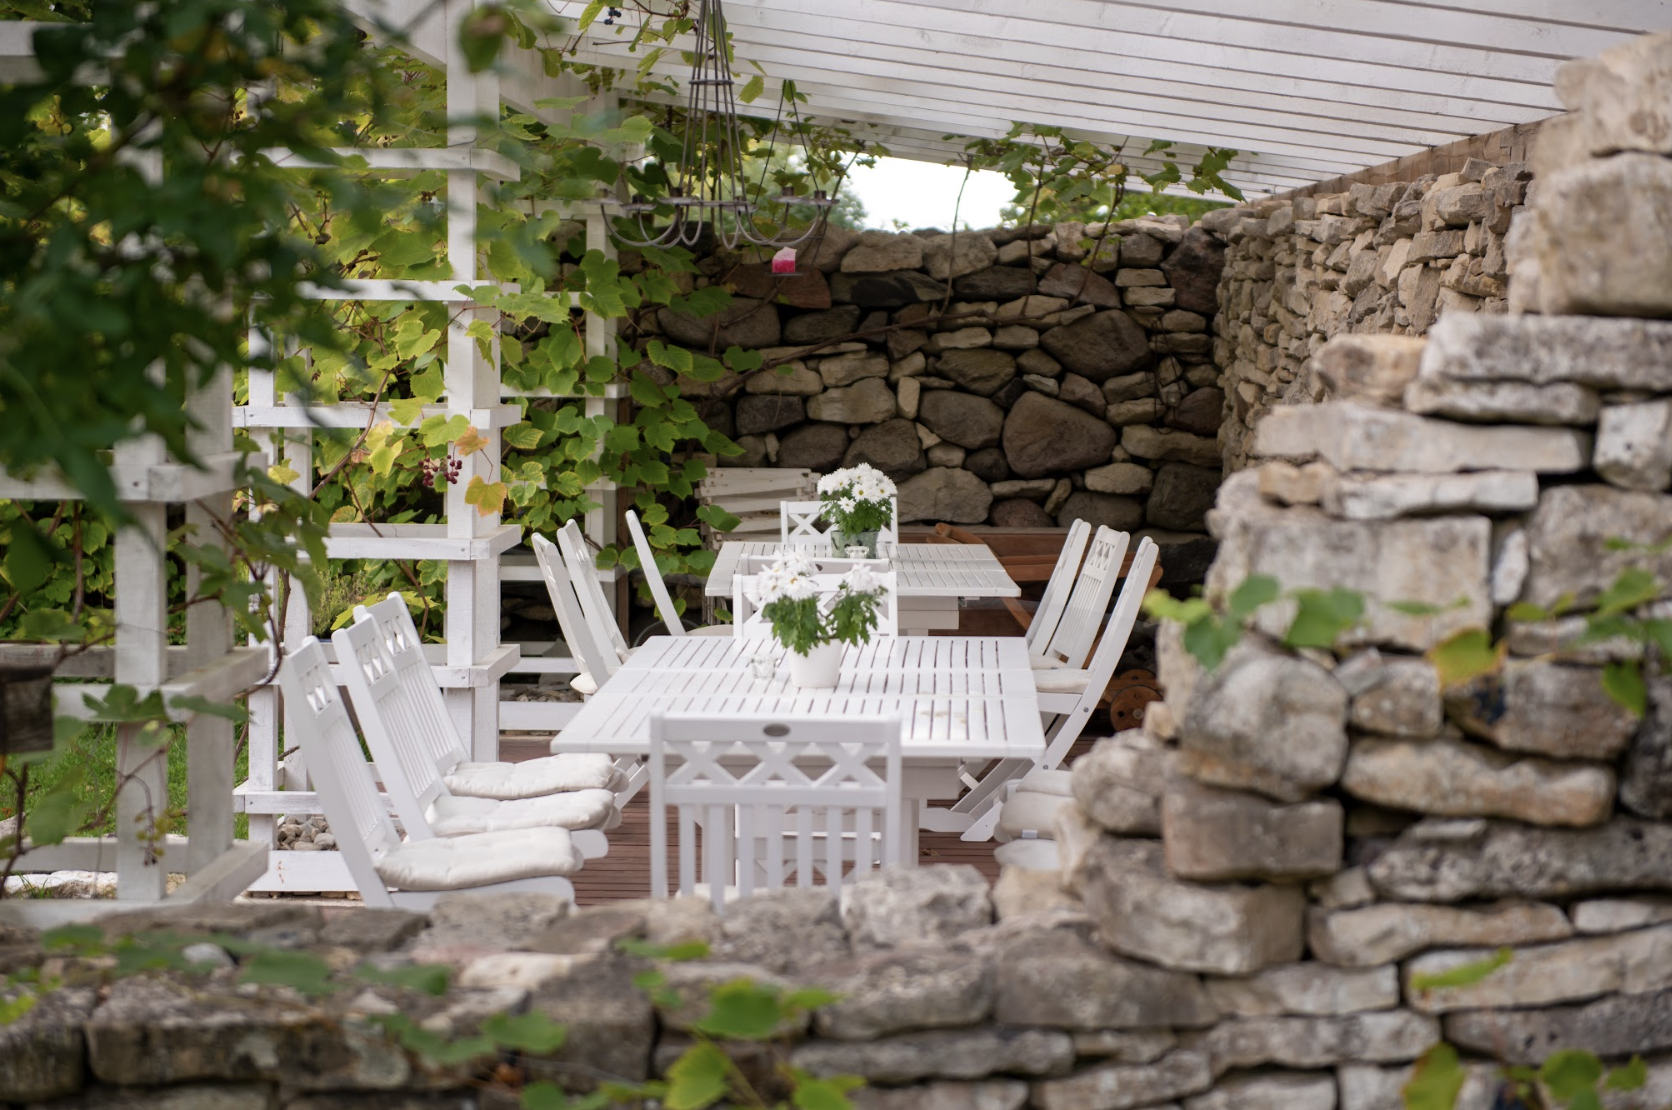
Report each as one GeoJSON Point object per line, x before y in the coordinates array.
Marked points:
{"type": "Point", "coordinates": [1321, 616]}
{"type": "Point", "coordinates": [1465, 656]}
{"type": "Point", "coordinates": [1570, 1079]}
{"type": "Point", "coordinates": [1436, 1079]}
{"type": "Point", "coordinates": [1463, 975]}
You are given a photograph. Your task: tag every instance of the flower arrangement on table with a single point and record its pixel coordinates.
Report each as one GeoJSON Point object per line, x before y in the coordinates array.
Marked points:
{"type": "Point", "coordinates": [812, 625]}
{"type": "Point", "coordinates": [859, 502]}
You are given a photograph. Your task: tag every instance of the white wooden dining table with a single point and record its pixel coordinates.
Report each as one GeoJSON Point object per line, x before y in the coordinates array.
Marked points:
{"type": "Point", "coordinates": [959, 698]}
{"type": "Point", "coordinates": [932, 578]}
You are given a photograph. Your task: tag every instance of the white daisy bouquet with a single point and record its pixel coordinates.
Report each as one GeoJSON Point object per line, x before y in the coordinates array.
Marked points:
{"type": "Point", "coordinates": [858, 499]}
{"type": "Point", "coordinates": [802, 618]}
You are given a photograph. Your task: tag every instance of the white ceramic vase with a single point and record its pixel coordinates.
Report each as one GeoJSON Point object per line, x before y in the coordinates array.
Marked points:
{"type": "Point", "coordinates": [819, 668]}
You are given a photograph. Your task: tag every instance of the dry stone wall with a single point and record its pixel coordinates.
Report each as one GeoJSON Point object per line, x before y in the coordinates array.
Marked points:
{"type": "Point", "coordinates": [1385, 259]}
{"type": "Point", "coordinates": [1017, 377]}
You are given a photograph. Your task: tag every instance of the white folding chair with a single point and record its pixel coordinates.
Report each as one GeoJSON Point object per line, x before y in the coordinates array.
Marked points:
{"type": "Point", "coordinates": [1070, 696]}
{"type": "Point", "coordinates": [799, 524]}
{"type": "Point", "coordinates": [1087, 605]}
{"type": "Point", "coordinates": [659, 589]}
{"type": "Point", "coordinates": [748, 624]}
{"type": "Point", "coordinates": [1057, 590]}
{"type": "Point", "coordinates": [532, 778]}
{"type": "Point", "coordinates": [400, 729]}
{"type": "Point", "coordinates": [596, 662]}
{"type": "Point", "coordinates": [772, 799]}
{"type": "Point", "coordinates": [752, 494]}
{"type": "Point", "coordinates": [583, 572]}
{"type": "Point", "coordinates": [388, 872]}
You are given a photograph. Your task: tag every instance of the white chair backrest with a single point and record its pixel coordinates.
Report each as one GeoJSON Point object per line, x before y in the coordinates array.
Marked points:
{"type": "Point", "coordinates": [1119, 628]}
{"type": "Point", "coordinates": [399, 635]}
{"type": "Point", "coordinates": [799, 523]}
{"type": "Point", "coordinates": [748, 624]}
{"type": "Point", "coordinates": [583, 572]}
{"type": "Point", "coordinates": [653, 575]}
{"type": "Point", "coordinates": [570, 620]}
{"type": "Point", "coordinates": [758, 784]}
{"type": "Point", "coordinates": [1083, 616]}
{"type": "Point", "coordinates": [317, 721]}
{"type": "Point", "coordinates": [1055, 598]}
{"type": "Point", "coordinates": [395, 724]}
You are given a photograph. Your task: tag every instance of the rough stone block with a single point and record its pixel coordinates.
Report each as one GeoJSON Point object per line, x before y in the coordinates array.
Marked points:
{"type": "Point", "coordinates": [1058, 980]}
{"type": "Point", "coordinates": [1120, 1047]}
{"type": "Point", "coordinates": [1502, 860]}
{"type": "Point", "coordinates": [1123, 1086]}
{"type": "Point", "coordinates": [1119, 783]}
{"type": "Point", "coordinates": [881, 251]}
{"type": "Point", "coordinates": [43, 1053]}
{"type": "Point", "coordinates": [1279, 715]}
{"type": "Point", "coordinates": [945, 493]}
{"type": "Point", "coordinates": [1549, 708]}
{"type": "Point", "coordinates": [1044, 436]}
{"type": "Point", "coordinates": [1370, 368]}
{"type": "Point", "coordinates": [1590, 350]}
{"type": "Point", "coordinates": [1387, 496]}
{"type": "Point", "coordinates": [1453, 778]}
{"type": "Point", "coordinates": [1572, 971]}
{"type": "Point", "coordinates": [1276, 1091]}
{"type": "Point", "coordinates": [869, 401]}
{"type": "Point", "coordinates": [906, 906]}
{"type": "Point", "coordinates": [1439, 561]}
{"type": "Point", "coordinates": [610, 1023]}
{"type": "Point", "coordinates": [1605, 238]}
{"type": "Point", "coordinates": [942, 1054]}
{"type": "Point", "coordinates": [1368, 1087]}
{"type": "Point", "coordinates": [1355, 437]}
{"type": "Point", "coordinates": [1120, 478]}
{"type": "Point", "coordinates": [1504, 402]}
{"type": "Point", "coordinates": [1393, 695]}
{"type": "Point", "coordinates": [782, 930]}
{"type": "Point", "coordinates": [1569, 536]}
{"type": "Point", "coordinates": [1646, 776]}
{"type": "Point", "coordinates": [1306, 989]}
{"type": "Point", "coordinates": [954, 256]}
{"type": "Point", "coordinates": [1622, 96]}
{"type": "Point", "coordinates": [1616, 915]}
{"type": "Point", "coordinates": [1385, 1037]}
{"type": "Point", "coordinates": [849, 368]}
{"type": "Point", "coordinates": [986, 1094]}
{"type": "Point", "coordinates": [897, 992]}
{"type": "Point", "coordinates": [1617, 1027]}
{"type": "Point", "coordinates": [1370, 935]}
{"type": "Point", "coordinates": [1210, 834]}
{"type": "Point", "coordinates": [1223, 929]}
{"type": "Point", "coordinates": [1634, 445]}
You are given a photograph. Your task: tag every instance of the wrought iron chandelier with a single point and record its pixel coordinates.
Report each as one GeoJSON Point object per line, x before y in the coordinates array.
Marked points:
{"type": "Point", "coordinates": [708, 193]}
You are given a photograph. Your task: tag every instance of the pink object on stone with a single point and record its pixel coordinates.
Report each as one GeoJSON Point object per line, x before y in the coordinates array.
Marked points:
{"type": "Point", "coordinates": [784, 261]}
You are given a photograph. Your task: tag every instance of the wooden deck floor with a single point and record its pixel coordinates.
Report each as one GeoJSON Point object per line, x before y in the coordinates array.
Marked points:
{"type": "Point", "coordinates": [625, 872]}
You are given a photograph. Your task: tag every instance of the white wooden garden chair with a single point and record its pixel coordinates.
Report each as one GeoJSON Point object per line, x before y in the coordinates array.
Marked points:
{"type": "Point", "coordinates": [532, 778]}
{"type": "Point", "coordinates": [659, 589]}
{"type": "Point", "coordinates": [773, 799]}
{"type": "Point", "coordinates": [414, 873]}
{"type": "Point", "coordinates": [1087, 605]}
{"type": "Point", "coordinates": [1069, 696]}
{"type": "Point", "coordinates": [1061, 584]}
{"type": "Point", "coordinates": [595, 662]}
{"type": "Point", "coordinates": [748, 624]}
{"type": "Point", "coordinates": [398, 724]}
{"type": "Point", "coordinates": [752, 494]}
{"type": "Point", "coordinates": [799, 524]}
{"type": "Point", "coordinates": [583, 572]}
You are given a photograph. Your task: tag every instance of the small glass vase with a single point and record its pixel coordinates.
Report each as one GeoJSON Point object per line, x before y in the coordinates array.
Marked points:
{"type": "Point", "coordinates": [840, 542]}
{"type": "Point", "coordinates": [820, 668]}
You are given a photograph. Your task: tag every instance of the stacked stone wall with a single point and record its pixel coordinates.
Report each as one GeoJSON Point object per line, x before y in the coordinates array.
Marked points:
{"type": "Point", "coordinates": [1016, 377]}
{"type": "Point", "coordinates": [1377, 259]}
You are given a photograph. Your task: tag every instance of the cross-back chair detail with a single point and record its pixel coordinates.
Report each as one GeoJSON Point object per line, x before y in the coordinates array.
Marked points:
{"type": "Point", "coordinates": [799, 524]}
{"type": "Point", "coordinates": [748, 623]}
{"type": "Point", "coordinates": [773, 799]}
{"type": "Point", "coordinates": [419, 871]}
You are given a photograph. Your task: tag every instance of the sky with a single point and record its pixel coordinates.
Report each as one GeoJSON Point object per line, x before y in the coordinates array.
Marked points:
{"type": "Point", "coordinates": [922, 194]}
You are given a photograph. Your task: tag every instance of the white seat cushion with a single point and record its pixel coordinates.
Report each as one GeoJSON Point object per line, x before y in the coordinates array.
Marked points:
{"type": "Point", "coordinates": [1060, 680]}
{"type": "Point", "coordinates": [467, 861]}
{"type": "Point", "coordinates": [710, 630]}
{"type": "Point", "coordinates": [1029, 812]}
{"type": "Point", "coordinates": [1043, 662]}
{"type": "Point", "coordinates": [583, 685]}
{"type": "Point", "coordinates": [578, 809]}
{"type": "Point", "coordinates": [1060, 783]}
{"type": "Point", "coordinates": [533, 778]}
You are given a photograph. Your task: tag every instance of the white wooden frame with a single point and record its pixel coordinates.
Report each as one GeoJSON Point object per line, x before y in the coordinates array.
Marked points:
{"type": "Point", "coordinates": [583, 573]}
{"type": "Point", "coordinates": [748, 624]}
{"type": "Point", "coordinates": [798, 523]}
{"type": "Point", "coordinates": [1054, 600]}
{"type": "Point", "coordinates": [595, 661]}
{"type": "Point", "coordinates": [753, 783]}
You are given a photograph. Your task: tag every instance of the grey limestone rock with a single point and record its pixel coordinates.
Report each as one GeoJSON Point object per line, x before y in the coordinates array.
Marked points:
{"type": "Point", "coordinates": [1619, 1026]}
{"type": "Point", "coordinates": [1270, 1091]}
{"type": "Point", "coordinates": [1634, 445]}
{"type": "Point", "coordinates": [881, 251]}
{"type": "Point", "coordinates": [1306, 989]}
{"type": "Point", "coordinates": [1569, 971]}
{"type": "Point", "coordinates": [1568, 540]}
{"type": "Point", "coordinates": [868, 401]}
{"type": "Point", "coordinates": [1383, 1037]}
{"type": "Point", "coordinates": [945, 493]}
{"type": "Point", "coordinates": [1124, 1086]}
{"type": "Point", "coordinates": [1511, 860]}
{"type": "Point", "coordinates": [1377, 934]}
{"type": "Point", "coordinates": [783, 930]}
{"type": "Point", "coordinates": [985, 1094]}
{"type": "Point", "coordinates": [1045, 436]}
{"type": "Point", "coordinates": [1210, 834]}
{"type": "Point", "coordinates": [1548, 708]}
{"type": "Point", "coordinates": [957, 256]}
{"type": "Point", "coordinates": [1101, 346]}
{"type": "Point", "coordinates": [906, 906]}
{"type": "Point", "coordinates": [903, 990]}
{"type": "Point", "coordinates": [43, 1052]}
{"type": "Point", "coordinates": [970, 422]}
{"type": "Point", "coordinates": [746, 323]}
{"type": "Point", "coordinates": [1590, 350]}
{"type": "Point", "coordinates": [942, 1054]}
{"type": "Point", "coordinates": [1605, 237]}
{"type": "Point", "coordinates": [1058, 980]}
{"type": "Point", "coordinates": [1119, 783]}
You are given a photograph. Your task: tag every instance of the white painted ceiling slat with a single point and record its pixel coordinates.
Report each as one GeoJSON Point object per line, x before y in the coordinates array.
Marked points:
{"type": "Point", "coordinates": [1014, 96]}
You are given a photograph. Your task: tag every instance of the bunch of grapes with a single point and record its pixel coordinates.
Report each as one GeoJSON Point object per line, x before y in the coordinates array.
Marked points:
{"type": "Point", "coordinates": [436, 470]}
{"type": "Point", "coordinates": [614, 14]}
